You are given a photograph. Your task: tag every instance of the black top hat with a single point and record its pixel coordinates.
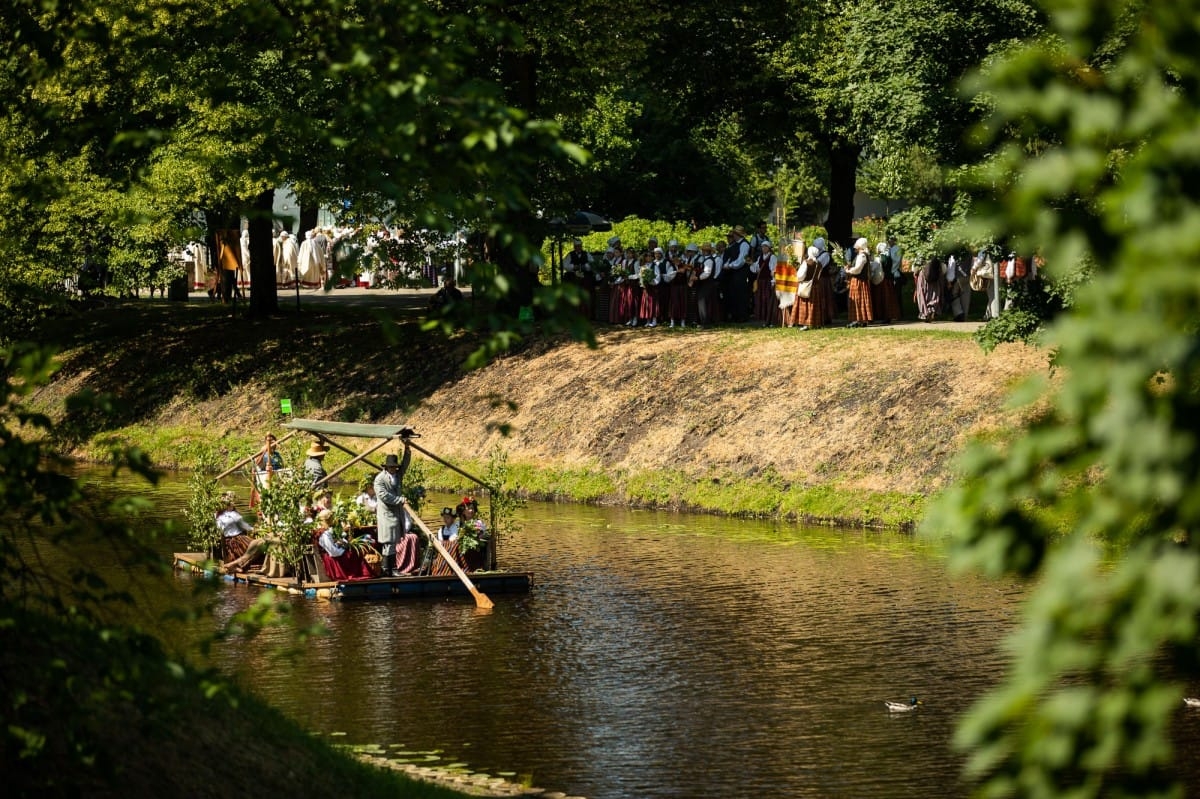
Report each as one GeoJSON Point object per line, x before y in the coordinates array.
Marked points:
{"type": "Point", "coordinates": [391, 460]}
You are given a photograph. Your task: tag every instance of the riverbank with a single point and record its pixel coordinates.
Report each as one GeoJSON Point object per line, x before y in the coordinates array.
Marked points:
{"type": "Point", "coordinates": [843, 426]}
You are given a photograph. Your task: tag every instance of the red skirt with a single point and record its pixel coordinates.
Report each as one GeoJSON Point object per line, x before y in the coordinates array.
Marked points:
{"type": "Point", "coordinates": [886, 301]}
{"type": "Point", "coordinates": [347, 566]}
{"type": "Point", "coordinates": [817, 310]}
{"type": "Point", "coordinates": [860, 309]}
{"type": "Point", "coordinates": [766, 302]}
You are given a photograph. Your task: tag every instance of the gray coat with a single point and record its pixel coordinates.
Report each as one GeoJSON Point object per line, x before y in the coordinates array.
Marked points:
{"type": "Point", "coordinates": [389, 510]}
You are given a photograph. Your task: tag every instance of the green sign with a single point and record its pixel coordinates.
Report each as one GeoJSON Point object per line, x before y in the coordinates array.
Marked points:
{"type": "Point", "coordinates": [285, 406]}
{"type": "Point", "coordinates": [525, 314]}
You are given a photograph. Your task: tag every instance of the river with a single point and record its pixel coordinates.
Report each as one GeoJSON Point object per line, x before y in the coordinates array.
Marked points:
{"type": "Point", "coordinates": [658, 656]}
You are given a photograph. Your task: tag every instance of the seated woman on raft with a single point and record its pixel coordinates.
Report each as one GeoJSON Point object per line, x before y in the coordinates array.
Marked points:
{"type": "Point", "coordinates": [340, 560]}
{"type": "Point", "coordinates": [466, 539]}
{"type": "Point", "coordinates": [238, 550]}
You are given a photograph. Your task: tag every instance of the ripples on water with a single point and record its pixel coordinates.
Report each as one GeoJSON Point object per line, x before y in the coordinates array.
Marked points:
{"type": "Point", "coordinates": [663, 656]}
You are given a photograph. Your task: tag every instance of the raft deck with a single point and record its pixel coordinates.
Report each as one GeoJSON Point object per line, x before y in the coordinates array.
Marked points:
{"type": "Point", "coordinates": [408, 587]}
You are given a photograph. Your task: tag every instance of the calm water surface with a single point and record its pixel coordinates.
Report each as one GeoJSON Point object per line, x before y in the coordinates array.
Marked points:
{"type": "Point", "coordinates": [659, 656]}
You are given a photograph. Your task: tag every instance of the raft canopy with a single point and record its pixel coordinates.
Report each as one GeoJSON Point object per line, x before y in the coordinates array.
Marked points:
{"type": "Point", "coordinates": [349, 429]}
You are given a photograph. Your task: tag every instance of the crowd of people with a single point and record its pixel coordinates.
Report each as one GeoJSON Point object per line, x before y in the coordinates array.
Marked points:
{"type": "Point", "coordinates": [388, 548]}
{"type": "Point", "coordinates": [751, 280]}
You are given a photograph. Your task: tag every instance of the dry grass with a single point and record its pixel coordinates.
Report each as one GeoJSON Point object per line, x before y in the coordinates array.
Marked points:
{"type": "Point", "coordinates": [876, 410]}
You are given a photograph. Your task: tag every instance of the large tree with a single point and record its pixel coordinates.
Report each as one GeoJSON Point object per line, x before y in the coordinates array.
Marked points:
{"type": "Point", "coordinates": [870, 80]}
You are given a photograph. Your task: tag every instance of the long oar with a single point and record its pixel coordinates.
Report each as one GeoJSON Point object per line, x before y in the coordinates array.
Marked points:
{"type": "Point", "coordinates": [249, 458]}
{"type": "Point", "coordinates": [481, 599]}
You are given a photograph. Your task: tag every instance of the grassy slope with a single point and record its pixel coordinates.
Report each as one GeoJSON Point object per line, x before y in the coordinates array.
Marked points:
{"type": "Point", "coordinates": [851, 426]}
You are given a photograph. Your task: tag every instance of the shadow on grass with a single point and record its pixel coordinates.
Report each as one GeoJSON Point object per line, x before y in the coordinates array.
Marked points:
{"type": "Point", "coordinates": [370, 362]}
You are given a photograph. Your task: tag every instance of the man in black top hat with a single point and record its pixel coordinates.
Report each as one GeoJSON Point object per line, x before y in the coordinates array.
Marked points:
{"type": "Point", "coordinates": [389, 512]}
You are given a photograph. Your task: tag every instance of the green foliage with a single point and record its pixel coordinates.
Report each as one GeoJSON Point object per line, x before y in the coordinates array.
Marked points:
{"type": "Point", "coordinates": [1085, 710]}
{"type": "Point", "coordinates": [915, 230]}
{"type": "Point", "coordinates": [505, 500]}
{"type": "Point", "coordinates": [203, 505]}
{"type": "Point", "coordinates": [1034, 305]}
{"type": "Point", "coordinates": [281, 511]}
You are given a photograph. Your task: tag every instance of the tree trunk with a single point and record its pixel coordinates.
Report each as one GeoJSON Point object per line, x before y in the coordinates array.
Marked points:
{"type": "Point", "coordinates": [308, 219]}
{"type": "Point", "coordinates": [843, 180]}
{"type": "Point", "coordinates": [264, 298]}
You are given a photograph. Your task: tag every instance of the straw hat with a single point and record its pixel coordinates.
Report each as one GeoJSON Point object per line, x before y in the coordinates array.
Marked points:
{"type": "Point", "coordinates": [316, 450]}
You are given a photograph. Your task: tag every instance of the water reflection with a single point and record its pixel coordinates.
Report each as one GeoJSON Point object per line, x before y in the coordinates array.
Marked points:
{"type": "Point", "coordinates": [661, 656]}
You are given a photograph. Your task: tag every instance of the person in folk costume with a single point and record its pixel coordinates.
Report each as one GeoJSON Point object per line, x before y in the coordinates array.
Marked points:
{"type": "Point", "coordinates": [930, 289]}
{"type": "Point", "coordinates": [323, 246]}
{"type": "Point", "coordinates": [786, 284]}
{"type": "Point", "coordinates": [816, 310]}
{"type": "Point", "coordinates": [398, 547]}
{"type": "Point", "coordinates": [311, 270]}
{"type": "Point", "coordinates": [632, 287]}
{"type": "Point", "coordinates": [468, 524]}
{"type": "Point", "coordinates": [766, 304]}
{"type": "Point", "coordinates": [678, 289]}
{"type": "Point", "coordinates": [985, 274]}
{"type": "Point", "coordinates": [958, 288]}
{"type": "Point", "coordinates": [1014, 269]}
{"type": "Point", "coordinates": [651, 305]}
{"type": "Point", "coordinates": [735, 276]}
{"type": "Point", "coordinates": [708, 308]}
{"type": "Point", "coordinates": [674, 259]}
{"type": "Point", "coordinates": [238, 548]}
{"type": "Point", "coordinates": [229, 262]}
{"type": "Point", "coordinates": [244, 275]}
{"type": "Point", "coordinates": [859, 310]}
{"type": "Point", "coordinates": [196, 252]}
{"type": "Point", "coordinates": [341, 562]}
{"type": "Point", "coordinates": [575, 264]}
{"type": "Point", "coordinates": [614, 260]}
{"type": "Point", "coordinates": [760, 235]}
{"type": "Point", "coordinates": [896, 253]}
{"type": "Point", "coordinates": [287, 258]}
{"type": "Point", "coordinates": [884, 297]}
{"type": "Point", "coordinates": [577, 270]}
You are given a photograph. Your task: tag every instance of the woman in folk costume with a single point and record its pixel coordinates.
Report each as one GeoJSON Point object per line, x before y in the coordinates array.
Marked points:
{"type": "Point", "coordinates": [859, 310]}
{"type": "Point", "coordinates": [815, 310]}
{"type": "Point", "coordinates": [244, 275]}
{"type": "Point", "coordinates": [312, 264]}
{"type": "Point", "coordinates": [197, 253]}
{"type": "Point", "coordinates": [958, 288]}
{"type": "Point", "coordinates": [930, 289]}
{"type": "Point", "coordinates": [340, 560]}
{"type": "Point", "coordinates": [650, 307]}
{"type": "Point", "coordinates": [633, 285]}
{"type": "Point", "coordinates": [672, 260]}
{"type": "Point", "coordinates": [679, 289]}
{"type": "Point", "coordinates": [766, 304]}
{"type": "Point", "coordinates": [287, 258]}
{"type": "Point", "coordinates": [786, 284]}
{"type": "Point", "coordinates": [885, 299]}
{"type": "Point", "coordinates": [617, 310]}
